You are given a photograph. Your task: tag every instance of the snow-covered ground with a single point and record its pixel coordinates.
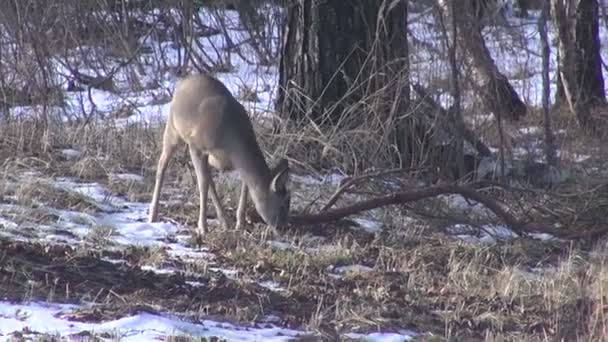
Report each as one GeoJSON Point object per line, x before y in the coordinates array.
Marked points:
{"type": "Point", "coordinates": [53, 320]}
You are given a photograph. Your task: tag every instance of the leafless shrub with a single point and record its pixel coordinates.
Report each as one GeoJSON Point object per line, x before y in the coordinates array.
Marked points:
{"type": "Point", "coordinates": [48, 51]}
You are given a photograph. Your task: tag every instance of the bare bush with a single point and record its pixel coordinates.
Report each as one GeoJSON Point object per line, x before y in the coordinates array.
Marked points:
{"type": "Point", "coordinates": [115, 46]}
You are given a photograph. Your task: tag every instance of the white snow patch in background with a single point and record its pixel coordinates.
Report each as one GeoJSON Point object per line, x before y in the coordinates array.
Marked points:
{"type": "Point", "coordinates": [281, 246]}
{"type": "Point", "coordinates": [272, 285]}
{"type": "Point", "coordinates": [575, 157]}
{"type": "Point", "coordinates": [70, 153]}
{"type": "Point", "coordinates": [127, 177]}
{"type": "Point", "coordinates": [487, 234]}
{"type": "Point", "coordinates": [152, 115]}
{"type": "Point", "coordinates": [306, 180]}
{"type": "Point", "coordinates": [334, 178]}
{"type": "Point", "coordinates": [530, 130]}
{"type": "Point", "coordinates": [370, 226]}
{"type": "Point", "coordinates": [352, 269]}
{"type": "Point", "coordinates": [7, 224]}
{"type": "Point", "coordinates": [490, 233]}
{"type": "Point", "coordinates": [466, 206]}
{"type": "Point", "coordinates": [543, 236]}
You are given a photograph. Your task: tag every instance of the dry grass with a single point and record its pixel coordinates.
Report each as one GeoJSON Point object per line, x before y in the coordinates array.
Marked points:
{"type": "Point", "coordinates": [131, 187]}
{"type": "Point", "coordinates": [38, 193]}
{"type": "Point", "coordinates": [498, 292]}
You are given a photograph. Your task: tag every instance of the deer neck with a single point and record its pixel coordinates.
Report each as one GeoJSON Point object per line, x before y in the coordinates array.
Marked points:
{"type": "Point", "coordinates": [253, 171]}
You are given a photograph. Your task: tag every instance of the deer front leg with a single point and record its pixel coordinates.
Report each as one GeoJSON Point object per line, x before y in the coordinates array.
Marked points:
{"type": "Point", "coordinates": [201, 168]}
{"type": "Point", "coordinates": [170, 142]}
{"type": "Point", "coordinates": [240, 211]}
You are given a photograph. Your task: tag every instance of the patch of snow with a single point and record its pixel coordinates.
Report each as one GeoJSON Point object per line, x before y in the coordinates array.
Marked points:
{"type": "Point", "coordinates": [306, 180]}
{"type": "Point", "coordinates": [115, 261]}
{"type": "Point", "coordinates": [157, 270]}
{"type": "Point", "coordinates": [324, 248]}
{"type": "Point", "coordinates": [370, 226]}
{"type": "Point", "coordinates": [194, 283]}
{"type": "Point", "coordinates": [38, 318]}
{"type": "Point", "coordinates": [579, 158]}
{"type": "Point", "coordinates": [125, 220]}
{"type": "Point", "coordinates": [7, 224]}
{"type": "Point", "coordinates": [402, 335]}
{"type": "Point", "coordinates": [151, 114]}
{"type": "Point", "coordinates": [137, 233]}
{"type": "Point", "coordinates": [70, 153]}
{"type": "Point", "coordinates": [187, 254]}
{"type": "Point", "coordinates": [542, 236]}
{"type": "Point", "coordinates": [128, 177]}
{"type": "Point", "coordinates": [271, 285]}
{"type": "Point", "coordinates": [76, 217]}
{"type": "Point", "coordinates": [92, 190]}
{"type": "Point", "coordinates": [281, 246]}
{"type": "Point", "coordinates": [488, 234]}
{"type": "Point", "coordinates": [352, 269]}
{"type": "Point", "coordinates": [232, 274]}
{"type": "Point", "coordinates": [334, 178]}
{"type": "Point", "coordinates": [530, 130]}
{"type": "Point", "coordinates": [127, 212]}
{"type": "Point", "coordinates": [466, 206]}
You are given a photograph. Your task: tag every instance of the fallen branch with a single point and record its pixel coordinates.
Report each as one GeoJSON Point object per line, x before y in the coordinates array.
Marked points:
{"type": "Point", "coordinates": [406, 197]}
{"type": "Point", "coordinates": [349, 182]}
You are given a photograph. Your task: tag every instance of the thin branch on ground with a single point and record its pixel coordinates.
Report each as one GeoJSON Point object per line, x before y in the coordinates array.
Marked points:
{"type": "Point", "coordinates": [348, 182]}
{"type": "Point", "coordinates": [406, 197]}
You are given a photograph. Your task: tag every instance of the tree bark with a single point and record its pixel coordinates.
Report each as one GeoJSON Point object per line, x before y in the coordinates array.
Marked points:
{"type": "Point", "coordinates": [324, 44]}
{"type": "Point", "coordinates": [579, 60]}
{"type": "Point", "coordinates": [329, 51]}
{"type": "Point", "coordinates": [455, 86]}
{"type": "Point", "coordinates": [337, 53]}
{"type": "Point", "coordinates": [550, 149]}
{"type": "Point", "coordinates": [497, 93]}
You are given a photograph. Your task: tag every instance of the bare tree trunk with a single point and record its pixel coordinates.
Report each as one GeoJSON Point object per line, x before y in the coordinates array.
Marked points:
{"type": "Point", "coordinates": [580, 65]}
{"type": "Point", "coordinates": [497, 93]}
{"type": "Point", "coordinates": [454, 159]}
{"type": "Point", "coordinates": [396, 51]}
{"type": "Point", "coordinates": [550, 150]}
{"type": "Point", "coordinates": [335, 52]}
{"type": "Point", "coordinates": [325, 44]}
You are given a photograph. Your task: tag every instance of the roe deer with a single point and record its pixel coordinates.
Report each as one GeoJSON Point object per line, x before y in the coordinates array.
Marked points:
{"type": "Point", "coordinates": [217, 129]}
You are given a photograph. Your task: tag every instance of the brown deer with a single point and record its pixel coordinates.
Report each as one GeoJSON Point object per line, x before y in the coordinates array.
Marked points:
{"type": "Point", "coordinates": [217, 129]}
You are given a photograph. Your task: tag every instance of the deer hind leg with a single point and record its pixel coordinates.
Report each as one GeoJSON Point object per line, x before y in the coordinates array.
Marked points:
{"type": "Point", "coordinates": [205, 185]}
{"type": "Point", "coordinates": [170, 142]}
{"type": "Point", "coordinates": [240, 211]}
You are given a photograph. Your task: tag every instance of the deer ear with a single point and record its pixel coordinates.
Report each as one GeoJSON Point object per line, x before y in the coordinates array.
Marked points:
{"type": "Point", "coordinates": [281, 176]}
